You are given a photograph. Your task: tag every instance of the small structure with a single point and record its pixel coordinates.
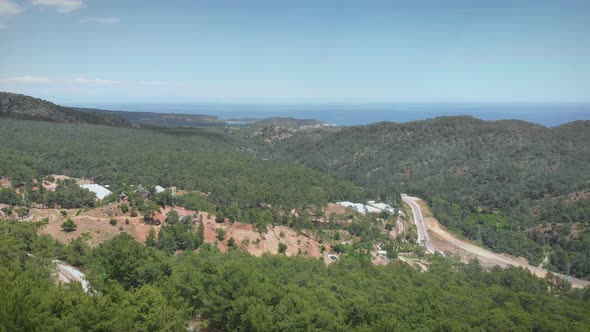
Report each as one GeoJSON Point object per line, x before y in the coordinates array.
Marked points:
{"type": "Point", "coordinates": [160, 189]}
{"type": "Point", "coordinates": [381, 252]}
{"type": "Point", "coordinates": [360, 208]}
{"type": "Point", "coordinates": [381, 206]}
{"type": "Point", "coordinates": [371, 209]}
{"type": "Point", "coordinates": [100, 191]}
{"type": "Point", "coordinates": [144, 193]}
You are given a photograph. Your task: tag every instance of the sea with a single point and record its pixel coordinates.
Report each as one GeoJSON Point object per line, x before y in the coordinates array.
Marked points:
{"type": "Point", "coordinates": [547, 114]}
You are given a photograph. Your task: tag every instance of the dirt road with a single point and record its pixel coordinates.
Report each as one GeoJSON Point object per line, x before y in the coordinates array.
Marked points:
{"type": "Point", "coordinates": [445, 239]}
{"type": "Point", "coordinates": [67, 273]}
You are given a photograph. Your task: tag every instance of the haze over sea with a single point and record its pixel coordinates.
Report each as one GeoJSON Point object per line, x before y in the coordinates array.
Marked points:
{"type": "Point", "coordinates": [545, 114]}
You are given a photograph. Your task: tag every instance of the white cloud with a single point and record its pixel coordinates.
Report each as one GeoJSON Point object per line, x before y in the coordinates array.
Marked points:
{"type": "Point", "coordinates": [101, 20]}
{"type": "Point", "coordinates": [62, 6]}
{"type": "Point", "coordinates": [26, 79]}
{"type": "Point", "coordinates": [9, 7]}
{"type": "Point", "coordinates": [162, 83]}
{"type": "Point", "coordinates": [94, 81]}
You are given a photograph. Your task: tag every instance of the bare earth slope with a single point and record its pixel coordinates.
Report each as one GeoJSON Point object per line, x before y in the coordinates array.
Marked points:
{"type": "Point", "coordinates": [444, 240]}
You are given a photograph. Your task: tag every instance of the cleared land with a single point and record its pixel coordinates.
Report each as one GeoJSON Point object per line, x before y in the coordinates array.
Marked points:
{"type": "Point", "coordinates": [96, 223]}
{"type": "Point", "coordinates": [448, 242]}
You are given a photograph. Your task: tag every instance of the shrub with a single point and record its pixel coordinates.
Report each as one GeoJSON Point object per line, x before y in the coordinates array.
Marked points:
{"type": "Point", "coordinates": [124, 208]}
{"type": "Point", "coordinates": [231, 242]}
{"type": "Point", "coordinates": [220, 234]}
{"type": "Point", "coordinates": [282, 248]}
{"type": "Point", "coordinates": [69, 226]}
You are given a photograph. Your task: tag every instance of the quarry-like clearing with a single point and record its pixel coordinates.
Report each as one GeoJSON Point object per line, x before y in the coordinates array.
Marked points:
{"type": "Point", "coordinates": [96, 223]}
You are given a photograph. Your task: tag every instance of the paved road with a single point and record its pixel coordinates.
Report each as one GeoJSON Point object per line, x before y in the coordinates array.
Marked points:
{"type": "Point", "coordinates": [423, 238]}
{"type": "Point", "coordinates": [486, 257]}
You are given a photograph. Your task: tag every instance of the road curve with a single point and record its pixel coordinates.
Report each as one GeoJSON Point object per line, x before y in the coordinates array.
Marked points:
{"type": "Point", "coordinates": [423, 238]}
{"type": "Point", "coordinates": [483, 255]}
{"type": "Point", "coordinates": [67, 273]}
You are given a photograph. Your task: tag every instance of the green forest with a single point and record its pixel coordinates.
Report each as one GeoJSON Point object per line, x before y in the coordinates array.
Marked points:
{"type": "Point", "coordinates": [141, 288]}
{"type": "Point", "coordinates": [191, 159]}
{"type": "Point", "coordinates": [492, 181]}
{"type": "Point", "coordinates": [506, 184]}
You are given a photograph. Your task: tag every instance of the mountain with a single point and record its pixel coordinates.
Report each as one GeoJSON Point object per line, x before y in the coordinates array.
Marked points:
{"type": "Point", "coordinates": [487, 180]}
{"type": "Point", "coordinates": [19, 106]}
{"type": "Point", "coordinates": [450, 154]}
{"type": "Point", "coordinates": [163, 119]}
{"type": "Point", "coordinates": [274, 128]}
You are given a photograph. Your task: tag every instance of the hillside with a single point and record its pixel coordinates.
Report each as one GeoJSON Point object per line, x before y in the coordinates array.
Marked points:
{"type": "Point", "coordinates": [471, 171]}
{"type": "Point", "coordinates": [188, 158]}
{"type": "Point", "coordinates": [23, 107]}
{"type": "Point", "coordinates": [196, 266]}
{"type": "Point", "coordinates": [163, 119]}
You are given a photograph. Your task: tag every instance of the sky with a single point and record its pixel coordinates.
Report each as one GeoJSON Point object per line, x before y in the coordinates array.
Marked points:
{"type": "Point", "coordinates": [85, 51]}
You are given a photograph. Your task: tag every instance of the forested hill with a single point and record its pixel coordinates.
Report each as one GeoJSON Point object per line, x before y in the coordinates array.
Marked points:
{"type": "Point", "coordinates": [163, 119]}
{"type": "Point", "coordinates": [23, 107]}
{"type": "Point", "coordinates": [577, 131]}
{"type": "Point", "coordinates": [466, 158]}
{"type": "Point", "coordinates": [516, 174]}
{"type": "Point", "coordinates": [189, 158]}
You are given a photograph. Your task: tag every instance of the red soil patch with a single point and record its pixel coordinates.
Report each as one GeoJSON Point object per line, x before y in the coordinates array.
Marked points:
{"type": "Point", "coordinates": [99, 229]}
{"type": "Point", "coordinates": [96, 223]}
{"type": "Point", "coordinates": [59, 177]}
{"type": "Point", "coordinates": [182, 212]}
{"type": "Point", "coordinates": [248, 238]}
{"type": "Point", "coordinates": [336, 209]}
{"type": "Point", "coordinates": [5, 182]}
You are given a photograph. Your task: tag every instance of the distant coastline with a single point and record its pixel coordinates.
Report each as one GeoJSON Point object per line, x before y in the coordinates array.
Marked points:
{"type": "Point", "coordinates": [548, 115]}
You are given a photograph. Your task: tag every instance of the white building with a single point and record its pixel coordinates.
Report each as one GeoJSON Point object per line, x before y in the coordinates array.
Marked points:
{"type": "Point", "coordinates": [100, 191]}
{"type": "Point", "coordinates": [381, 206]}
{"type": "Point", "coordinates": [360, 208]}
{"type": "Point", "coordinates": [160, 189]}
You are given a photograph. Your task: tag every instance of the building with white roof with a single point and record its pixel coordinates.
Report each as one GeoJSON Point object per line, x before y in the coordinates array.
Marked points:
{"type": "Point", "coordinates": [160, 189]}
{"type": "Point", "coordinates": [360, 208]}
{"type": "Point", "coordinates": [100, 191]}
{"type": "Point", "coordinates": [381, 206]}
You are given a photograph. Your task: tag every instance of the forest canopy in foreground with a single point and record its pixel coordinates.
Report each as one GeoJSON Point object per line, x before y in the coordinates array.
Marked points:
{"type": "Point", "coordinates": [236, 291]}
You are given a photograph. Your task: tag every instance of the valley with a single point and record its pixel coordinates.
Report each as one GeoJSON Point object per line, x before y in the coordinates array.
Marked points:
{"type": "Point", "coordinates": [287, 210]}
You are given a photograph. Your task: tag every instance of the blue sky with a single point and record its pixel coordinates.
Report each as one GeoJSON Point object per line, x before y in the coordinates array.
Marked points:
{"type": "Point", "coordinates": [77, 51]}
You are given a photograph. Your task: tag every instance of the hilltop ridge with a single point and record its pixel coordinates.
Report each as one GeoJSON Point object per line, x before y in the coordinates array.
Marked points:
{"type": "Point", "coordinates": [18, 106]}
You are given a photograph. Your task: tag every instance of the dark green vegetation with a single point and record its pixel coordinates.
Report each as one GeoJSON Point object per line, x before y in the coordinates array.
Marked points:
{"type": "Point", "coordinates": [68, 195]}
{"type": "Point", "coordinates": [18, 106]}
{"type": "Point", "coordinates": [507, 184]}
{"type": "Point", "coordinates": [163, 119]}
{"type": "Point", "coordinates": [490, 181]}
{"type": "Point", "coordinates": [140, 288]}
{"type": "Point", "coordinates": [190, 161]}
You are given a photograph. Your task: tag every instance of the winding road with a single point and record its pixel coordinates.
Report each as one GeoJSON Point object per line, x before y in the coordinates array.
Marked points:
{"type": "Point", "coordinates": [486, 257]}
{"type": "Point", "coordinates": [423, 238]}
